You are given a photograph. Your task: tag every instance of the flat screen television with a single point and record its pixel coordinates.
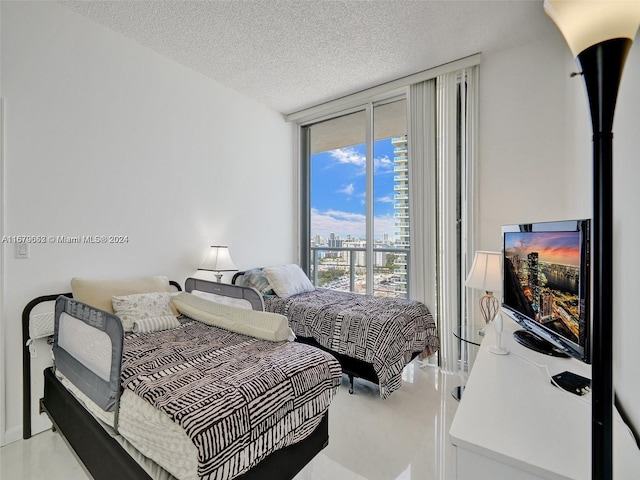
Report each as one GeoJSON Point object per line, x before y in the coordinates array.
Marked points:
{"type": "Point", "coordinates": [547, 284]}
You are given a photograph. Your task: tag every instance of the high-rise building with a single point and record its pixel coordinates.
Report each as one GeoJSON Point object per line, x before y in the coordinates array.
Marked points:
{"type": "Point", "coordinates": [334, 241]}
{"type": "Point", "coordinates": [401, 211]}
{"type": "Point", "coordinates": [534, 285]}
{"type": "Point", "coordinates": [546, 310]}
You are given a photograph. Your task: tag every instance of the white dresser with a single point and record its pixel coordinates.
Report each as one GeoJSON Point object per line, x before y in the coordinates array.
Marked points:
{"type": "Point", "coordinates": [513, 424]}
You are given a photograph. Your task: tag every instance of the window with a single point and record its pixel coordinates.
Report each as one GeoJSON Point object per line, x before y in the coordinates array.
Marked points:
{"type": "Point", "coordinates": [410, 232]}
{"type": "Point", "coordinates": [358, 200]}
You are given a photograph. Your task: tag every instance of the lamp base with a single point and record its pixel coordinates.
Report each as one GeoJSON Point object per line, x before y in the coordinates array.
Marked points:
{"type": "Point", "coordinates": [499, 350]}
{"type": "Point", "coordinates": [489, 307]}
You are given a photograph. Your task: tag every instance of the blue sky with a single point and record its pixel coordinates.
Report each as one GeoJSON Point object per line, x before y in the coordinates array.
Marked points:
{"type": "Point", "coordinates": [338, 191]}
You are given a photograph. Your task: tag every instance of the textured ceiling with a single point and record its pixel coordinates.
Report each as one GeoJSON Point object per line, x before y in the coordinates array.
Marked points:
{"type": "Point", "coordinates": [294, 54]}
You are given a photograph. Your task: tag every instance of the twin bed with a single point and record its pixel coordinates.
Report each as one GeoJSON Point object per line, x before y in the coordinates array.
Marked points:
{"type": "Point", "coordinates": [221, 392]}
{"type": "Point", "coordinates": [374, 338]}
{"type": "Point", "coordinates": [194, 401]}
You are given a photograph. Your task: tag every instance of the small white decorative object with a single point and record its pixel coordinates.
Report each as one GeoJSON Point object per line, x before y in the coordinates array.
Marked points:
{"type": "Point", "coordinates": [498, 349]}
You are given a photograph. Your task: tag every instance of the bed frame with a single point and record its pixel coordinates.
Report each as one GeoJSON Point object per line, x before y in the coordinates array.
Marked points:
{"type": "Point", "coordinates": [103, 455]}
{"type": "Point", "coordinates": [352, 367]}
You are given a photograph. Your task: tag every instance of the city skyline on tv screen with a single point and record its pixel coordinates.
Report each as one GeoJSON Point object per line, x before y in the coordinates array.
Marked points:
{"type": "Point", "coordinates": [545, 267]}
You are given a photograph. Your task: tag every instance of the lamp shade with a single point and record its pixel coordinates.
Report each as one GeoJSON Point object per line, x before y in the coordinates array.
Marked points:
{"type": "Point", "coordinates": [587, 23]}
{"type": "Point", "coordinates": [218, 260]}
{"type": "Point", "coordinates": [485, 272]}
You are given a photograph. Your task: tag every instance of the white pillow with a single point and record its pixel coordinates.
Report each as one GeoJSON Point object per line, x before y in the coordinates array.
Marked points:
{"type": "Point", "coordinates": [155, 324]}
{"type": "Point", "coordinates": [264, 325]}
{"type": "Point", "coordinates": [223, 299]}
{"type": "Point", "coordinates": [100, 293]}
{"type": "Point", "coordinates": [288, 280]}
{"type": "Point", "coordinates": [131, 308]}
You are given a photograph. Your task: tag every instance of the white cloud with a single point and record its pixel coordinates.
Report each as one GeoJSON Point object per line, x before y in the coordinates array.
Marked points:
{"type": "Point", "coordinates": [349, 156]}
{"type": "Point", "coordinates": [338, 222]}
{"type": "Point", "coordinates": [348, 190]}
{"type": "Point", "coordinates": [348, 223]}
{"type": "Point", "coordinates": [382, 165]}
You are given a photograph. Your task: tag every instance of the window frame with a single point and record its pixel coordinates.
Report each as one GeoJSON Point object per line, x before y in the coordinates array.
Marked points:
{"type": "Point", "coordinates": [304, 177]}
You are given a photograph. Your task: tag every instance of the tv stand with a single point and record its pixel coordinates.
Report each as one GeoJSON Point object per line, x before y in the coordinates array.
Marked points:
{"type": "Point", "coordinates": [540, 345]}
{"type": "Point", "coordinates": [513, 424]}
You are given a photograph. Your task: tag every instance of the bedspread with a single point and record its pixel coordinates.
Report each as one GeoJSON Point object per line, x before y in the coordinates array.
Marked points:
{"type": "Point", "coordinates": [384, 332]}
{"type": "Point", "coordinates": [237, 398]}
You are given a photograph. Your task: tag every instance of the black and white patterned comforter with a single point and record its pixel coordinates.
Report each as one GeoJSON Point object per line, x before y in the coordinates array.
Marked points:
{"type": "Point", "coordinates": [384, 332]}
{"type": "Point", "coordinates": [237, 398]}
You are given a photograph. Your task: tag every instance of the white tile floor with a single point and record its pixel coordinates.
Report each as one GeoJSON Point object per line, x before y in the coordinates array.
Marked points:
{"type": "Point", "coordinates": [402, 438]}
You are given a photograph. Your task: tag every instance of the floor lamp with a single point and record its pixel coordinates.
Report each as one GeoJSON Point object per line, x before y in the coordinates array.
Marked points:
{"type": "Point", "coordinates": [600, 34]}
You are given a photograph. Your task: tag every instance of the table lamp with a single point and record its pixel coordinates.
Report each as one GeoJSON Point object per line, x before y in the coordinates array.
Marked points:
{"type": "Point", "coordinates": [217, 261]}
{"type": "Point", "coordinates": [486, 275]}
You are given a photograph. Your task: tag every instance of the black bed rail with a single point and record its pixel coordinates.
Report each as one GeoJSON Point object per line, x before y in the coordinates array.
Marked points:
{"type": "Point", "coordinates": [26, 361]}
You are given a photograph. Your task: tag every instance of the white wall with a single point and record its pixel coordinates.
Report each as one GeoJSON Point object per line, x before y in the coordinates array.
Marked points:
{"type": "Point", "coordinates": [105, 137]}
{"type": "Point", "coordinates": [535, 158]}
{"type": "Point", "coordinates": [526, 151]}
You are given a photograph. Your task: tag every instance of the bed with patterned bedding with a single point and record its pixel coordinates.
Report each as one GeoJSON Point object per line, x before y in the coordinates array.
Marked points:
{"type": "Point", "coordinates": [238, 398]}
{"type": "Point", "coordinates": [384, 332]}
{"type": "Point", "coordinates": [373, 337]}
{"type": "Point", "coordinates": [220, 394]}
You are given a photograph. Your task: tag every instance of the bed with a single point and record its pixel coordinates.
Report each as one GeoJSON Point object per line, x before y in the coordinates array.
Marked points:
{"type": "Point", "coordinates": [374, 338]}
{"type": "Point", "coordinates": [189, 399]}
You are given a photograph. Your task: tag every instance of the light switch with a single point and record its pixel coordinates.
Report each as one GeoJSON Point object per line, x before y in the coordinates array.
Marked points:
{"type": "Point", "coordinates": [22, 250]}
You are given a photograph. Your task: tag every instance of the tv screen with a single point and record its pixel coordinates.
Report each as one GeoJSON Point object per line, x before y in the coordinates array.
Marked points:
{"type": "Point", "coordinates": [546, 285]}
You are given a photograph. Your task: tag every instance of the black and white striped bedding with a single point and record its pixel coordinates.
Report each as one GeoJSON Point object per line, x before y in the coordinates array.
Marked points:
{"type": "Point", "coordinates": [238, 398]}
{"type": "Point", "coordinates": [384, 332]}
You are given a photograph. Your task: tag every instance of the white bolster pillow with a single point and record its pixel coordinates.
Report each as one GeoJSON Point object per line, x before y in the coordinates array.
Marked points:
{"type": "Point", "coordinates": [264, 325]}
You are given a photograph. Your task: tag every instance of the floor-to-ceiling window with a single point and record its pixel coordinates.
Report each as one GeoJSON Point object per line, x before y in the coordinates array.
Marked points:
{"type": "Point", "coordinates": [387, 193]}
{"type": "Point", "coordinates": [357, 197]}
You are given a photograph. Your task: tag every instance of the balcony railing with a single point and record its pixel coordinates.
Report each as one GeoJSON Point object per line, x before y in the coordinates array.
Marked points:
{"type": "Point", "coordinates": [388, 281]}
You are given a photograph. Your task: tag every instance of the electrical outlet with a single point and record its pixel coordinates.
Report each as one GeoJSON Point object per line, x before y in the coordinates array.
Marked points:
{"type": "Point", "coordinates": [22, 250]}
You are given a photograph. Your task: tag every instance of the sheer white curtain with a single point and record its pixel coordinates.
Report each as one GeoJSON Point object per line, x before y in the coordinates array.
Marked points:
{"type": "Point", "coordinates": [422, 193]}
{"type": "Point", "coordinates": [442, 173]}
{"type": "Point", "coordinates": [457, 94]}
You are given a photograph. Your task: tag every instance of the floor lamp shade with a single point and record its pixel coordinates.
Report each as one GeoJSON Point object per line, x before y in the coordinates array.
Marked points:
{"type": "Point", "coordinates": [587, 23]}
{"type": "Point", "coordinates": [218, 260]}
{"type": "Point", "coordinates": [599, 34]}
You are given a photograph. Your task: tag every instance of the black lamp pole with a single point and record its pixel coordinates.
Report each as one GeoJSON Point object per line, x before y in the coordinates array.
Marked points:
{"type": "Point", "coordinates": [602, 66]}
